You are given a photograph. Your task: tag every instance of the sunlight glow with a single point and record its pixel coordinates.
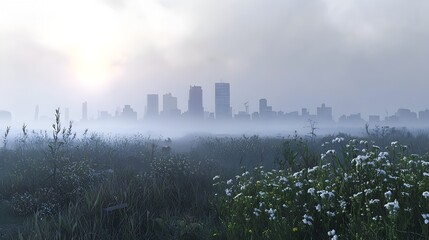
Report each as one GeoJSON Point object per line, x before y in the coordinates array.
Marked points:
{"type": "Point", "coordinates": [95, 36]}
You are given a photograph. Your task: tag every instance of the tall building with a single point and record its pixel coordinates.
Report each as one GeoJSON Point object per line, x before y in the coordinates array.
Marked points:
{"type": "Point", "coordinates": [424, 115]}
{"type": "Point", "coordinates": [263, 105]}
{"type": "Point", "coordinates": [374, 118]}
{"type": "Point", "coordinates": [128, 113]}
{"type": "Point", "coordinates": [84, 111]}
{"type": "Point", "coordinates": [324, 114]}
{"type": "Point", "coordinates": [406, 115]}
{"type": "Point", "coordinates": [265, 111]}
{"type": "Point", "coordinates": [152, 109]}
{"type": "Point", "coordinates": [169, 106]}
{"type": "Point", "coordinates": [222, 101]}
{"type": "Point", "coordinates": [5, 116]}
{"type": "Point", "coordinates": [36, 113]}
{"type": "Point", "coordinates": [195, 102]}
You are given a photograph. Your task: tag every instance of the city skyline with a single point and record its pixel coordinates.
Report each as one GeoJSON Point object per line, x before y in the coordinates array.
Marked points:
{"type": "Point", "coordinates": [322, 114]}
{"type": "Point", "coordinates": [357, 56]}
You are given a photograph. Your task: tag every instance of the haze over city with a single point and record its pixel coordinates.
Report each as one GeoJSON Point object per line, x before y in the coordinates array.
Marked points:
{"type": "Point", "coordinates": [355, 56]}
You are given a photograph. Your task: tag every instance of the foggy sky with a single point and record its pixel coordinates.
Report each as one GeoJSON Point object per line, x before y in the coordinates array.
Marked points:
{"type": "Point", "coordinates": [354, 55]}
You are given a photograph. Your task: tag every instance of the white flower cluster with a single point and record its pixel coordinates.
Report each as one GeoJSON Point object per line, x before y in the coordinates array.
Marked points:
{"type": "Point", "coordinates": [393, 207]}
{"type": "Point", "coordinates": [332, 234]}
{"type": "Point", "coordinates": [425, 218]}
{"type": "Point", "coordinates": [307, 219]}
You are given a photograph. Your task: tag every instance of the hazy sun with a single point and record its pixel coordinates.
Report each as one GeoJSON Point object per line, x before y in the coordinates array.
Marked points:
{"type": "Point", "coordinates": [92, 69]}
{"type": "Point", "coordinates": [94, 36]}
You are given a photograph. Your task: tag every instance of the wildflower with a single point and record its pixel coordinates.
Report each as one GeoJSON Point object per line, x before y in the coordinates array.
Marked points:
{"type": "Point", "coordinates": [393, 207]}
{"type": "Point", "coordinates": [307, 219]}
{"type": "Point", "coordinates": [330, 214]}
{"type": "Point", "coordinates": [382, 155]}
{"type": "Point", "coordinates": [272, 213]}
{"type": "Point", "coordinates": [283, 179]}
{"type": "Point", "coordinates": [216, 177]}
{"type": "Point", "coordinates": [257, 212]}
{"type": "Point", "coordinates": [228, 192]}
{"type": "Point", "coordinates": [330, 152]}
{"type": "Point", "coordinates": [343, 204]}
{"type": "Point", "coordinates": [310, 170]}
{"type": "Point", "coordinates": [374, 201]}
{"type": "Point", "coordinates": [299, 184]}
{"type": "Point", "coordinates": [311, 191]}
{"type": "Point", "coordinates": [295, 229]}
{"type": "Point", "coordinates": [318, 207]}
{"type": "Point", "coordinates": [388, 194]}
{"type": "Point", "coordinates": [425, 174]}
{"type": "Point", "coordinates": [426, 194]}
{"type": "Point", "coordinates": [425, 218]}
{"type": "Point", "coordinates": [380, 172]}
{"type": "Point", "coordinates": [229, 182]}
{"type": "Point", "coordinates": [338, 140]}
{"type": "Point", "coordinates": [325, 194]}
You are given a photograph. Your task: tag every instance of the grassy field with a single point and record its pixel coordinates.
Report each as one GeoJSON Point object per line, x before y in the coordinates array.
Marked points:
{"type": "Point", "coordinates": [63, 185]}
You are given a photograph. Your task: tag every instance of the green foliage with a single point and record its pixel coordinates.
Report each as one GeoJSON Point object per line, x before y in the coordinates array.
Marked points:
{"type": "Point", "coordinates": [383, 192]}
{"type": "Point", "coordinates": [319, 187]}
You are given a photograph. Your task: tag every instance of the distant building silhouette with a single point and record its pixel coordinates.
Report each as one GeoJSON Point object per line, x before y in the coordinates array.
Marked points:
{"type": "Point", "coordinates": [84, 111]}
{"type": "Point", "coordinates": [195, 103]}
{"type": "Point", "coordinates": [265, 111]}
{"type": "Point", "coordinates": [242, 115]}
{"type": "Point", "coordinates": [324, 114]}
{"type": "Point", "coordinates": [222, 101]}
{"type": "Point", "coordinates": [36, 113]}
{"type": "Point", "coordinates": [424, 115]}
{"type": "Point", "coordinates": [374, 119]}
{"type": "Point", "coordinates": [169, 106]}
{"type": "Point", "coordinates": [255, 116]}
{"type": "Point", "coordinates": [351, 119]}
{"type": "Point", "coordinates": [291, 116]}
{"type": "Point", "coordinates": [104, 115]}
{"type": "Point", "coordinates": [405, 115]}
{"type": "Point", "coordinates": [5, 116]}
{"type": "Point", "coordinates": [152, 109]}
{"type": "Point", "coordinates": [128, 113]}
{"type": "Point", "coordinates": [305, 113]}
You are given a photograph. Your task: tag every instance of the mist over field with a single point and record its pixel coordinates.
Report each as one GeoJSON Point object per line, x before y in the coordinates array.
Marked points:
{"type": "Point", "coordinates": [214, 119]}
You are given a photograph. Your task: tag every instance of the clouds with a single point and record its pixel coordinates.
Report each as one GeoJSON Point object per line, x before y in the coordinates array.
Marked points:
{"type": "Point", "coordinates": [295, 53]}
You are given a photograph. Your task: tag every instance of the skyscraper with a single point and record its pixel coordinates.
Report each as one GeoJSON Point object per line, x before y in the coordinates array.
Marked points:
{"type": "Point", "coordinates": [84, 111]}
{"type": "Point", "coordinates": [169, 106]}
{"type": "Point", "coordinates": [152, 109]}
{"type": "Point", "coordinates": [324, 114]}
{"type": "Point", "coordinates": [195, 102]}
{"type": "Point", "coordinates": [265, 111]}
{"type": "Point", "coordinates": [128, 113]}
{"type": "Point", "coordinates": [36, 113]}
{"type": "Point", "coordinates": [222, 101]}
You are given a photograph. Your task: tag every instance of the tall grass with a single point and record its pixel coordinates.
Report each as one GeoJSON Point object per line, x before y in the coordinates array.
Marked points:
{"type": "Point", "coordinates": [327, 187]}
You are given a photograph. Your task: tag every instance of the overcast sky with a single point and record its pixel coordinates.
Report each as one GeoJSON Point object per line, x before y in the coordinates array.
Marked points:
{"type": "Point", "coordinates": [354, 55]}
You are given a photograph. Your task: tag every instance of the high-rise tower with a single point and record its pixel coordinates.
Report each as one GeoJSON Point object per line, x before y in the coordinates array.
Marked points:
{"type": "Point", "coordinates": [152, 109]}
{"type": "Point", "coordinates": [222, 101]}
{"type": "Point", "coordinates": [195, 103]}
